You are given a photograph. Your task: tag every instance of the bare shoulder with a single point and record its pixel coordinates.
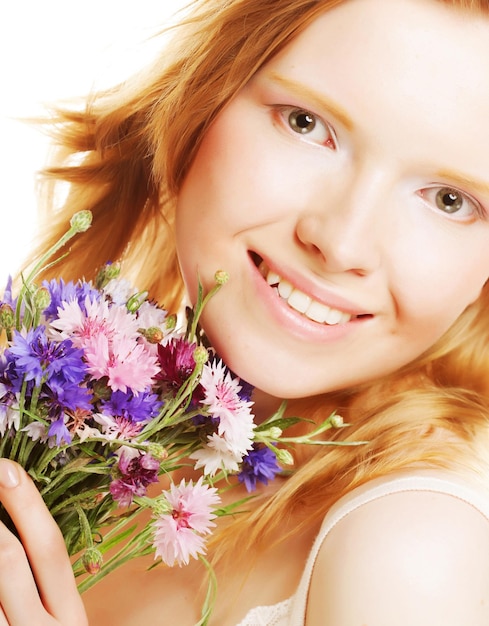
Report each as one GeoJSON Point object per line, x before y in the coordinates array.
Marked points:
{"type": "Point", "coordinates": [410, 558]}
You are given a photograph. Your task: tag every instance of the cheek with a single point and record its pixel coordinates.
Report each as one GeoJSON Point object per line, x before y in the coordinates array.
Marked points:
{"type": "Point", "coordinates": [447, 267]}
{"type": "Point", "coordinates": [430, 305]}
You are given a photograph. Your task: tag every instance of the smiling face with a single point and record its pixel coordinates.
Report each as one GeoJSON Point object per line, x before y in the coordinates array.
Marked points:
{"type": "Point", "coordinates": [346, 192]}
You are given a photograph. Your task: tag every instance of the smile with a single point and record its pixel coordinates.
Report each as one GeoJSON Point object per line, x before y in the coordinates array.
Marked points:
{"type": "Point", "coordinates": [301, 302]}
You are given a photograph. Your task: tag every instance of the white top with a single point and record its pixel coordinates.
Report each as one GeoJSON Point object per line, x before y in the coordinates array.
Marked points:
{"type": "Point", "coordinates": [291, 612]}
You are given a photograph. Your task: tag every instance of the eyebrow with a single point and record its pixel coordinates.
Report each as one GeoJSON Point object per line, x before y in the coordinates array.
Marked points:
{"type": "Point", "coordinates": [464, 181]}
{"type": "Point", "coordinates": [318, 100]}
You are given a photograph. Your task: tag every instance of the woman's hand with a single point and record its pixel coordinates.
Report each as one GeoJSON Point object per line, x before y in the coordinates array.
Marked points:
{"type": "Point", "coordinates": [37, 587]}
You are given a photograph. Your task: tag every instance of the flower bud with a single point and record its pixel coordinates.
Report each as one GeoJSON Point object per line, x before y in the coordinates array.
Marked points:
{"type": "Point", "coordinates": [7, 317]}
{"type": "Point", "coordinates": [153, 334]}
{"type": "Point", "coordinates": [160, 506]}
{"type": "Point", "coordinates": [42, 298]}
{"type": "Point", "coordinates": [336, 421]}
{"type": "Point", "coordinates": [200, 355]}
{"type": "Point", "coordinates": [284, 456]}
{"type": "Point", "coordinates": [92, 560]}
{"type": "Point", "coordinates": [171, 322]}
{"type": "Point", "coordinates": [274, 432]}
{"type": "Point", "coordinates": [107, 273]}
{"type": "Point", "coordinates": [136, 301]}
{"type": "Point", "coordinates": [221, 277]}
{"type": "Point", "coordinates": [158, 451]}
{"type": "Point", "coordinates": [81, 221]}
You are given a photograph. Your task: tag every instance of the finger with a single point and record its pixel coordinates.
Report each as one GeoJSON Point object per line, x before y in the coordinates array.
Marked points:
{"type": "Point", "coordinates": [3, 619]}
{"type": "Point", "coordinates": [43, 544]}
{"type": "Point", "coordinates": [19, 597]}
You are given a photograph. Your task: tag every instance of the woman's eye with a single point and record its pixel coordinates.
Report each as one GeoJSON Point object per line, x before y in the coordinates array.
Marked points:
{"type": "Point", "coordinates": [452, 202]}
{"type": "Point", "coordinates": [309, 125]}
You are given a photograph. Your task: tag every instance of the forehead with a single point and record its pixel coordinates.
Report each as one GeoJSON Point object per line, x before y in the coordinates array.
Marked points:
{"type": "Point", "coordinates": [420, 61]}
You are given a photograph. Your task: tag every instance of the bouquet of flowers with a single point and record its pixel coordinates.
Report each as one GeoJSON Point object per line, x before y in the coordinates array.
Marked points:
{"type": "Point", "coordinates": [101, 395]}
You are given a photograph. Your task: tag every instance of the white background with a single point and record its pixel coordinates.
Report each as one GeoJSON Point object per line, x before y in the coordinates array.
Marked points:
{"type": "Point", "coordinates": [52, 50]}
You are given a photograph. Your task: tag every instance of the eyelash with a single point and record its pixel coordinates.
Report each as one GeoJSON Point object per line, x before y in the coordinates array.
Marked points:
{"type": "Point", "coordinates": [284, 114]}
{"type": "Point", "coordinates": [449, 194]}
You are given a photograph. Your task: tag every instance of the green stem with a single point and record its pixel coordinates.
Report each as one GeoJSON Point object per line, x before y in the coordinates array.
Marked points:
{"type": "Point", "coordinates": [138, 546]}
{"type": "Point", "coordinates": [37, 269]}
{"type": "Point", "coordinates": [199, 307]}
{"type": "Point", "coordinates": [210, 598]}
{"type": "Point", "coordinates": [84, 527]}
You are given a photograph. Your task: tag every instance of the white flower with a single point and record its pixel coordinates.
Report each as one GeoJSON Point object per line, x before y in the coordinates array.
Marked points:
{"type": "Point", "coordinates": [150, 315]}
{"type": "Point", "coordinates": [9, 412]}
{"type": "Point", "coordinates": [119, 290]}
{"type": "Point", "coordinates": [217, 455]}
{"type": "Point", "coordinates": [36, 430]}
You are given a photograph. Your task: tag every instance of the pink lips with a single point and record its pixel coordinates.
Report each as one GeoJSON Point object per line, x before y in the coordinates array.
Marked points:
{"type": "Point", "coordinates": [296, 323]}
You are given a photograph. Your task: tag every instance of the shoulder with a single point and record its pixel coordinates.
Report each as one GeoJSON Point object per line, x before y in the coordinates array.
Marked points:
{"type": "Point", "coordinates": [412, 557]}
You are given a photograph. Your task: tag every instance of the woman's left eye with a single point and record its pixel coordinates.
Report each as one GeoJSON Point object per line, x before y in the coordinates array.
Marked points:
{"type": "Point", "coordinates": [452, 202]}
{"type": "Point", "coordinates": [312, 127]}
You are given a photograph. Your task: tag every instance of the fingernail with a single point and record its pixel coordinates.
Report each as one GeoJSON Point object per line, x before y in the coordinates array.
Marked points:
{"type": "Point", "coordinates": [9, 474]}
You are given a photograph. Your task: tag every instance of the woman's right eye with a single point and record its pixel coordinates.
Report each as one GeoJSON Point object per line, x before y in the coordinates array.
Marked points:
{"type": "Point", "coordinates": [310, 126]}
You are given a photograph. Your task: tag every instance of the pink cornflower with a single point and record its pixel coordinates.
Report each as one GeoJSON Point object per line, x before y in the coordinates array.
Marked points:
{"type": "Point", "coordinates": [101, 319]}
{"type": "Point", "coordinates": [221, 397]}
{"type": "Point", "coordinates": [126, 363]}
{"type": "Point", "coordinates": [111, 343]}
{"type": "Point", "coordinates": [179, 534]}
{"type": "Point", "coordinates": [117, 427]}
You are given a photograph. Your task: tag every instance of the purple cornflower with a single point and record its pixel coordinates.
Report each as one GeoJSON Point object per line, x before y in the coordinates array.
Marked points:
{"type": "Point", "coordinates": [135, 408]}
{"type": "Point", "coordinates": [63, 395]}
{"type": "Point", "coordinates": [59, 430]}
{"type": "Point", "coordinates": [37, 358]}
{"type": "Point", "coordinates": [176, 361]}
{"type": "Point", "coordinates": [63, 398]}
{"type": "Point", "coordinates": [136, 471]}
{"type": "Point", "coordinates": [260, 464]}
{"type": "Point", "coordinates": [7, 297]}
{"type": "Point", "coordinates": [62, 292]}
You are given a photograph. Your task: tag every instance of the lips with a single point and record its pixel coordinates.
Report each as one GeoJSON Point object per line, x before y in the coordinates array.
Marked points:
{"type": "Point", "coordinates": [302, 302]}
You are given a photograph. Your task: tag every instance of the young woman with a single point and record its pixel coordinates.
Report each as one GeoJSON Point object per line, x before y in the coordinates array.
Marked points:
{"type": "Point", "coordinates": [331, 156]}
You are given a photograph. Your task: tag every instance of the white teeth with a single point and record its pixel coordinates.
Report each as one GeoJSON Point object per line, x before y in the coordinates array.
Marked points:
{"type": "Point", "coordinates": [285, 289]}
{"type": "Point", "coordinates": [334, 316]}
{"type": "Point", "coordinates": [318, 312]}
{"type": "Point", "coordinates": [299, 301]}
{"type": "Point", "coordinates": [272, 279]}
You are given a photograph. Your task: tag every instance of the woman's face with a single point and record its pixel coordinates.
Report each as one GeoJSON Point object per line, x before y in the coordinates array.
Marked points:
{"type": "Point", "coordinates": [346, 192]}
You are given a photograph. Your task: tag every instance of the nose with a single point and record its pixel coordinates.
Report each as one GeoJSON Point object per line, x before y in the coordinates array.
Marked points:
{"type": "Point", "coordinates": [346, 229]}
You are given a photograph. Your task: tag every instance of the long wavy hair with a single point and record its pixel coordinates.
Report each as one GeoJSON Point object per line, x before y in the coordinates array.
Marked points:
{"type": "Point", "coordinates": [124, 155]}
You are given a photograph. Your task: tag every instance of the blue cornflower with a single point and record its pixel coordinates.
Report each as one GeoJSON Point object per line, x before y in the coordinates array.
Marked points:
{"type": "Point", "coordinates": [136, 408]}
{"type": "Point", "coordinates": [7, 297]}
{"type": "Point", "coordinates": [246, 390]}
{"type": "Point", "coordinates": [63, 395]}
{"type": "Point", "coordinates": [59, 430]}
{"type": "Point", "coordinates": [37, 358]}
{"type": "Point", "coordinates": [259, 464]}
{"type": "Point", "coordinates": [67, 292]}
